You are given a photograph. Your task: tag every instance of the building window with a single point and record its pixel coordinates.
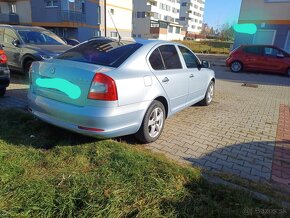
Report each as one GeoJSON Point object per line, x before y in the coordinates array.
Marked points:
{"type": "Point", "coordinates": [170, 29]}
{"type": "Point", "coordinates": [112, 11]}
{"type": "Point", "coordinates": [98, 15]}
{"type": "Point", "coordinates": [177, 30]}
{"type": "Point", "coordinates": [276, 1]}
{"type": "Point", "coordinates": [51, 3]}
{"type": "Point", "coordinates": [114, 34]}
{"type": "Point", "coordinates": [97, 33]}
{"type": "Point", "coordinates": [12, 8]}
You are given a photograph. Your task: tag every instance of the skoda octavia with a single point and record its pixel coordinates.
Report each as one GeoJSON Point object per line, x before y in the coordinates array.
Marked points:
{"type": "Point", "coordinates": [108, 88]}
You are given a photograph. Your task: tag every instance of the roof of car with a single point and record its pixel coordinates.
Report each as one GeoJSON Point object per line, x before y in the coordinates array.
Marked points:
{"type": "Point", "coordinates": [259, 45]}
{"type": "Point", "coordinates": [17, 27]}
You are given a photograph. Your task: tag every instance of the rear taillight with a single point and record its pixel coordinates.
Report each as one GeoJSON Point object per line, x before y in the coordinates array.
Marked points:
{"type": "Point", "coordinates": [3, 57]}
{"type": "Point", "coordinates": [103, 88]}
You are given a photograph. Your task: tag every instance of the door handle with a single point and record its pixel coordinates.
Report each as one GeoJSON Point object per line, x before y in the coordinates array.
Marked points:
{"type": "Point", "coordinates": [191, 76]}
{"type": "Point", "coordinates": [165, 80]}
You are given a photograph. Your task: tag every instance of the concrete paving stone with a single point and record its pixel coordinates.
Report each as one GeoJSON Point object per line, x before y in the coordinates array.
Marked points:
{"type": "Point", "coordinates": [242, 168]}
{"type": "Point", "coordinates": [213, 165]}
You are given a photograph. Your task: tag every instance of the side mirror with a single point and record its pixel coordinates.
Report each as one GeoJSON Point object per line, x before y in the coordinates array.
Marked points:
{"type": "Point", "coordinates": [280, 55]}
{"type": "Point", "coordinates": [16, 42]}
{"type": "Point", "coordinates": [205, 64]}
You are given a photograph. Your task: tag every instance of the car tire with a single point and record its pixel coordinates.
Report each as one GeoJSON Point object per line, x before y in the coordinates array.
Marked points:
{"type": "Point", "coordinates": [26, 66]}
{"type": "Point", "coordinates": [153, 123]}
{"type": "Point", "coordinates": [2, 92]}
{"type": "Point", "coordinates": [209, 95]}
{"type": "Point", "coordinates": [236, 66]}
{"type": "Point", "coordinates": [288, 72]}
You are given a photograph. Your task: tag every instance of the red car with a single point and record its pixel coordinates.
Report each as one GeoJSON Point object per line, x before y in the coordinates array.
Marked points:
{"type": "Point", "coordinates": [267, 58]}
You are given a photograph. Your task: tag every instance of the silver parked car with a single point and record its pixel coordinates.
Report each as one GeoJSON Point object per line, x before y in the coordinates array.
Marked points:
{"type": "Point", "coordinates": [107, 88]}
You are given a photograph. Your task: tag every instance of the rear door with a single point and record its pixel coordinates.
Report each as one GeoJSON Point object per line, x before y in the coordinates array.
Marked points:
{"type": "Point", "coordinates": [167, 67]}
{"type": "Point", "coordinates": [253, 57]}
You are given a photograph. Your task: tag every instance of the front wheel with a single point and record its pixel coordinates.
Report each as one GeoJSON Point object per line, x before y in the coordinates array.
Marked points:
{"type": "Point", "coordinates": [209, 95]}
{"type": "Point", "coordinates": [2, 92]}
{"type": "Point", "coordinates": [288, 72]}
{"type": "Point", "coordinates": [26, 66]}
{"type": "Point", "coordinates": [153, 123]}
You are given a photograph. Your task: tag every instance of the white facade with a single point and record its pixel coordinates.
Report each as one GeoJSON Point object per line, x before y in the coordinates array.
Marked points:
{"type": "Point", "coordinates": [157, 19]}
{"type": "Point", "coordinates": [120, 13]}
{"type": "Point", "coordinates": [191, 16]}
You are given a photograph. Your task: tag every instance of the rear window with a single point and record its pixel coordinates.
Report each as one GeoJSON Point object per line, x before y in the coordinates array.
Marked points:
{"type": "Point", "coordinates": [253, 50]}
{"type": "Point", "coordinates": [101, 52]}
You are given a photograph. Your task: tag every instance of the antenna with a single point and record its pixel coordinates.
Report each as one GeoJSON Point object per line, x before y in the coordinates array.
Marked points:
{"type": "Point", "coordinates": [115, 26]}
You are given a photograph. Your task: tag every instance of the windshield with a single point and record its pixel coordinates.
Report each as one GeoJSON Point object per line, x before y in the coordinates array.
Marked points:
{"type": "Point", "coordinates": [101, 52]}
{"type": "Point", "coordinates": [40, 37]}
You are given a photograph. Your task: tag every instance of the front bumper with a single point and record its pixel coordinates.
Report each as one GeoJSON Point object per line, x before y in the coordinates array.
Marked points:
{"type": "Point", "coordinates": [117, 121]}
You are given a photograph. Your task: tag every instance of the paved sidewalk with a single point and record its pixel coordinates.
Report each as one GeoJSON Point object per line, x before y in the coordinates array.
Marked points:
{"type": "Point", "coordinates": [236, 134]}
{"type": "Point", "coordinates": [15, 97]}
{"type": "Point", "coordinates": [281, 160]}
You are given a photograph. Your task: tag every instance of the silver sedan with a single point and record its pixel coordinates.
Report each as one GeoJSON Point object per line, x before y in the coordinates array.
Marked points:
{"type": "Point", "coordinates": [108, 88]}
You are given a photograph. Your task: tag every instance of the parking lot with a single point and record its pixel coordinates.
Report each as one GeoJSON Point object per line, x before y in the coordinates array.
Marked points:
{"type": "Point", "coordinates": [245, 132]}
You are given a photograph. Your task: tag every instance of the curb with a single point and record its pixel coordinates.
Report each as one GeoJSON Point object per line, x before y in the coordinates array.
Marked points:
{"type": "Point", "coordinates": [255, 194]}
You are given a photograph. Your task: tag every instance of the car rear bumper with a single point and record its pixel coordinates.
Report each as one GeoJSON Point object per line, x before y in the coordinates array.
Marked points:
{"type": "Point", "coordinates": [117, 121]}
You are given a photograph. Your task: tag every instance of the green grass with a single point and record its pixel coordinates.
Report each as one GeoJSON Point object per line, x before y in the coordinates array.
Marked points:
{"type": "Point", "coordinates": [211, 47]}
{"type": "Point", "coordinates": [49, 172]}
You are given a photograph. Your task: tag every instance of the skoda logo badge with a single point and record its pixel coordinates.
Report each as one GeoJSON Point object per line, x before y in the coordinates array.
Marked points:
{"type": "Point", "coordinates": [52, 70]}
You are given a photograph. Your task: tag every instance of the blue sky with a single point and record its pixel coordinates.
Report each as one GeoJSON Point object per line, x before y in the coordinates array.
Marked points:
{"type": "Point", "coordinates": [218, 12]}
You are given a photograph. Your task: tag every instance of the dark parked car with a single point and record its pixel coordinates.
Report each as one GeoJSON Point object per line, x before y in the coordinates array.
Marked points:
{"type": "Point", "coordinates": [24, 44]}
{"type": "Point", "coordinates": [4, 72]}
{"type": "Point", "coordinates": [266, 58]}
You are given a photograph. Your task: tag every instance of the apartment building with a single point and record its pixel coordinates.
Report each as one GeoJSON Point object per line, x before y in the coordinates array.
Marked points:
{"type": "Point", "coordinates": [118, 13]}
{"type": "Point", "coordinates": [157, 19]}
{"type": "Point", "coordinates": [14, 12]}
{"type": "Point", "coordinates": [191, 16]}
{"type": "Point", "coordinates": [272, 18]}
{"type": "Point", "coordinates": [80, 19]}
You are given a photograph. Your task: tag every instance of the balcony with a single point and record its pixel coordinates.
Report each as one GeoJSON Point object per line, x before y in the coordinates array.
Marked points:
{"type": "Point", "coordinates": [9, 18]}
{"type": "Point", "coordinates": [71, 16]}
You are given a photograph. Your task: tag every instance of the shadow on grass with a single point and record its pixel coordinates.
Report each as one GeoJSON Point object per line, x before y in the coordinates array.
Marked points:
{"type": "Point", "coordinates": [20, 128]}
{"type": "Point", "coordinates": [170, 189]}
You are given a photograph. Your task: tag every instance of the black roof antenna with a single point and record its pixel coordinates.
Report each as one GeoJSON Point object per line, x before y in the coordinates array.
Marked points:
{"type": "Point", "coordinates": [120, 38]}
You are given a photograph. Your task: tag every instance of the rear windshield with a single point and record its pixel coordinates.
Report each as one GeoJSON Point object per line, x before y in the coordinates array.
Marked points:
{"type": "Point", "coordinates": [102, 52]}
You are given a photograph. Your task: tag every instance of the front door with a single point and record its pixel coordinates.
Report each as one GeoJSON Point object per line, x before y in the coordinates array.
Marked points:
{"type": "Point", "coordinates": [197, 79]}
{"type": "Point", "coordinates": [272, 61]}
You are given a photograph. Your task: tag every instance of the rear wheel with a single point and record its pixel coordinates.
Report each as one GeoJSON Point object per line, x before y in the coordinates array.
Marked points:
{"type": "Point", "coordinates": [288, 72]}
{"type": "Point", "coordinates": [153, 123]}
{"type": "Point", "coordinates": [236, 66]}
{"type": "Point", "coordinates": [2, 92]}
{"type": "Point", "coordinates": [209, 95]}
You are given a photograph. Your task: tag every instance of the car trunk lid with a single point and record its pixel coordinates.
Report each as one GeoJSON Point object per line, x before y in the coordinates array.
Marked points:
{"type": "Point", "coordinates": [64, 81]}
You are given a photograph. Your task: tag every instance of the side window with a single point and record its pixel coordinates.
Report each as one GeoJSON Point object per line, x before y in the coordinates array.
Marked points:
{"type": "Point", "coordinates": [190, 59]}
{"type": "Point", "coordinates": [9, 36]}
{"type": "Point", "coordinates": [156, 60]}
{"type": "Point", "coordinates": [269, 51]}
{"type": "Point", "coordinates": [170, 57]}
{"type": "Point", "coordinates": [253, 50]}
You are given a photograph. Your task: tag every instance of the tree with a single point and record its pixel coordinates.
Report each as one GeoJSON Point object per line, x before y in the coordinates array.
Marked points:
{"type": "Point", "coordinates": [227, 32]}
